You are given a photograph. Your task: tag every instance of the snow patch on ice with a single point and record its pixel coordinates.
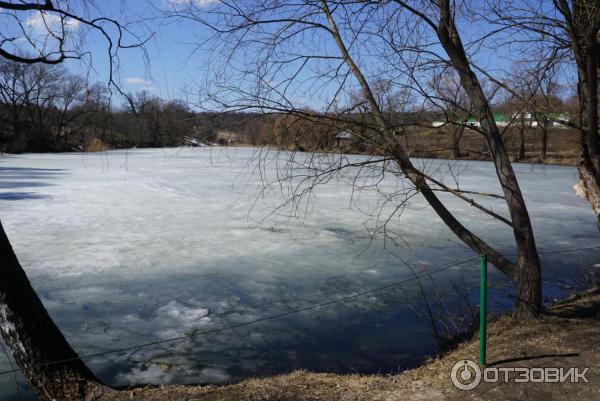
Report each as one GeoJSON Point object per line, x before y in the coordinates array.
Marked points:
{"type": "Point", "coordinates": [130, 246]}
{"type": "Point", "coordinates": [152, 373]}
{"type": "Point", "coordinates": [183, 313]}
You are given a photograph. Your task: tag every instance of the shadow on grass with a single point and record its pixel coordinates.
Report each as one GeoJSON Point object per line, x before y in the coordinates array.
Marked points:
{"type": "Point", "coordinates": [532, 357]}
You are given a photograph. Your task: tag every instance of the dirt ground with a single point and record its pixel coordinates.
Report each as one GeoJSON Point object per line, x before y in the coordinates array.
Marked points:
{"type": "Point", "coordinates": [566, 336]}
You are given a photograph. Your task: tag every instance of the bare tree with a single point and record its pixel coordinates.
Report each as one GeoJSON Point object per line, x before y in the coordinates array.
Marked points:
{"type": "Point", "coordinates": [452, 101]}
{"type": "Point", "coordinates": [546, 102]}
{"type": "Point", "coordinates": [42, 82]}
{"type": "Point", "coordinates": [524, 88]}
{"type": "Point", "coordinates": [157, 122]}
{"type": "Point", "coordinates": [339, 47]}
{"type": "Point", "coordinates": [97, 118]}
{"type": "Point", "coordinates": [41, 33]}
{"type": "Point", "coordinates": [296, 133]}
{"type": "Point", "coordinates": [37, 344]}
{"type": "Point", "coordinates": [582, 25]}
{"type": "Point", "coordinates": [71, 93]}
{"type": "Point", "coordinates": [570, 31]}
{"type": "Point", "coordinates": [146, 109]}
{"type": "Point", "coordinates": [48, 32]}
{"type": "Point", "coordinates": [14, 97]}
{"type": "Point", "coordinates": [176, 120]}
{"type": "Point", "coordinates": [97, 100]}
{"type": "Point", "coordinates": [41, 106]}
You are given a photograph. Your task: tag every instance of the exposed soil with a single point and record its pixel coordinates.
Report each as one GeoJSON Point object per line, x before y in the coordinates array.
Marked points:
{"type": "Point", "coordinates": [566, 336]}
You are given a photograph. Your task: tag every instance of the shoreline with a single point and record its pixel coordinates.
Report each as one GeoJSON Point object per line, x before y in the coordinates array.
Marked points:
{"type": "Point", "coordinates": [573, 162]}
{"type": "Point", "coordinates": [564, 336]}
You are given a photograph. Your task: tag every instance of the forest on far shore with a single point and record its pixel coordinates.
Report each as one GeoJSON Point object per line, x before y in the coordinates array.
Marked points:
{"type": "Point", "coordinates": [45, 108]}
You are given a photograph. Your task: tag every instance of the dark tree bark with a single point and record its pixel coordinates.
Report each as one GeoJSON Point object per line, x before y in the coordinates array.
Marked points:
{"type": "Point", "coordinates": [542, 122]}
{"type": "Point", "coordinates": [522, 138]}
{"type": "Point", "coordinates": [544, 142]}
{"type": "Point", "coordinates": [579, 31]}
{"type": "Point", "coordinates": [28, 330]}
{"type": "Point", "coordinates": [582, 25]}
{"type": "Point", "coordinates": [527, 275]}
{"type": "Point", "coordinates": [36, 342]}
{"type": "Point", "coordinates": [457, 134]}
{"type": "Point", "coordinates": [588, 187]}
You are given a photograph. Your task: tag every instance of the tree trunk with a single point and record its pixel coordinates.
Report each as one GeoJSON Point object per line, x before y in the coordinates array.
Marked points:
{"type": "Point", "coordinates": [526, 279]}
{"type": "Point", "coordinates": [521, 155]}
{"type": "Point", "coordinates": [457, 134]}
{"type": "Point", "coordinates": [588, 187]}
{"type": "Point", "coordinates": [528, 266]}
{"type": "Point", "coordinates": [528, 289]}
{"type": "Point", "coordinates": [36, 342]}
{"type": "Point", "coordinates": [522, 138]}
{"type": "Point", "coordinates": [544, 139]}
{"type": "Point", "coordinates": [583, 26]}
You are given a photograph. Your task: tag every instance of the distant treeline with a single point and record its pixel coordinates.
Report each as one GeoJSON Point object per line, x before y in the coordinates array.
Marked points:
{"type": "Point", "coordinates": [527, 138]}
{"type": "Point", "coordinates": [44, 108]}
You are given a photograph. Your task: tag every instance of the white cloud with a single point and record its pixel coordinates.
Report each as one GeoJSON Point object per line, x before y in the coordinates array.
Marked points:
{"type": "Point", "coordinates": [45, 22]}
{"type": "Point", "coordinates": [198, 3]}
{"type": "Point", "coordinates": [137, 81]}
{"type": "Point", "coordinates": [142, 83]}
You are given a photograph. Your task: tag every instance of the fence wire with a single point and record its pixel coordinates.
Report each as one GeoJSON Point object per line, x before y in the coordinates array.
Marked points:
{"type": "Point", "coordinates": [274, 316]}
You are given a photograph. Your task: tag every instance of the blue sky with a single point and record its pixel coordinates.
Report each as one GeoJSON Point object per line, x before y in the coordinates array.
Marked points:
{"type": "Point", "coordinates": [175, 66]}
{"type": "Point", "coordinates": [167, 64]}
{"type": "Point", "coordinates": [165, 70]}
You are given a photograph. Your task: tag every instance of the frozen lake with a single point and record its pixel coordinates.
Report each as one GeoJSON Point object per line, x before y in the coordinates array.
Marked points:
{"type": "Point", "coordinates": [126, 247]}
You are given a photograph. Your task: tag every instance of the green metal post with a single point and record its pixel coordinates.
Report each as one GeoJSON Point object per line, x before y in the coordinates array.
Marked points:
{"type": "Point", "coordinates": [482, 310]}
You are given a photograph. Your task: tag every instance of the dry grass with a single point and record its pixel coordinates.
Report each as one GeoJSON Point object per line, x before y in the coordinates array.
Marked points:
{"type": "Point", "coordinates": [563, 145]}
{"type": "Point", "coordinates": [96, 145]}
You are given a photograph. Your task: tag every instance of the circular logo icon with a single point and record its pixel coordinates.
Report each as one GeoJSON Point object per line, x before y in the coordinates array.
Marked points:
{"type": "Point", "coordinates": [465, 375]}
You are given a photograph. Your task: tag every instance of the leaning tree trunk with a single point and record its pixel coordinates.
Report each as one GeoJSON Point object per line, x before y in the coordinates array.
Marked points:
{"type": "Point", "coordinates": [35, 341]}
{"type": "Point", "coordinates": [528, 302]}
{"type": "Point", "coordinates": [527, 275]}
{"type": "Point", "coordinates": [527, 280]}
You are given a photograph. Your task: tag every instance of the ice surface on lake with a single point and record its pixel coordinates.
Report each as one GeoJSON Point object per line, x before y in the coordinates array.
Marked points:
{"type": "Point", "coordinates": [126, 247]}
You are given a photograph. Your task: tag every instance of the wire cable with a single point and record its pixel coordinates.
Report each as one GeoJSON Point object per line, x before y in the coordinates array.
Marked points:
{"type": "Point", "coordinates": [247, 323]}
{"type": "Point", "coordinates": [272, 317]}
